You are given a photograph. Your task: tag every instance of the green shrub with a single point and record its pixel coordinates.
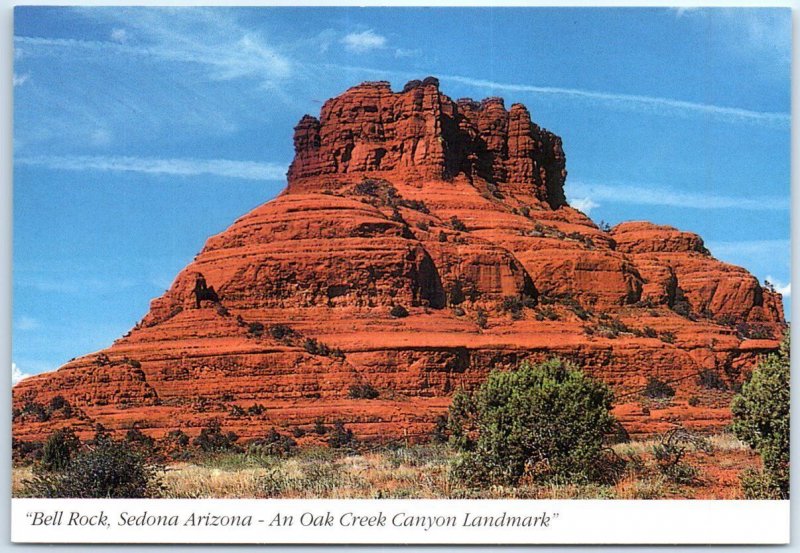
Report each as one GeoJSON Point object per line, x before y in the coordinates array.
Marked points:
{"type": "Point", "coordinates": [36, 410]}
{"type": "Point", "coordinates": [255, 329]}
{"type": "Point", "coordinates": [761, 417]}
{"type": "Point", "coordinates": [670, 451]}
{"type": "Point", "coordinates": [439, 434]}
{"type": "Point", "coordinates": [398, 312]}
{"type": "Point", "coordinates": [680, 304]}
{"type": "Point", "coordinates": [547, 313]}
{"type": "Point", "coordinates": [256, 410]}
{"type": "Point", "coordinates": [175, 445]}
{"type": "Point", "coordinates": [657, 389]}
{"type": "Point", "coordinates": [58, 402]}
{"type": "Point", "coordinates": [694, 401]}
{"type": "Point", "coordinates": [759, 484]}
{"type": "Point", "coordinates": [280, 331]}
{"type": "Point", "coordinates": [25, 453]}
{"type": "Point", "coordinates": [110, 470]}
{"type": "Point", "coordinates": [711, 379]}
{"type": "Point", "coordinates": [580, 312]}
{"type": "Point", "coordinates": [545, 422]}
{"type": "Point", "coordinates": [515, 304]}
{"type": "Point", "coordinates": [667, 337]}
{"type": "Point", "coordinates": [315, 347]}
{"type": "Point", "coordinates": [319, 428]}
{"type": "Point", "coordinates": [649, 332]}
{"type": "Point", "coordinates": [458, 224]}
{"type": "Point", "coordinates": [213, 439]}
{"type": "Point", "coordinates": [179, 437]}
{"type": "Point", "coordinates": [754, 331]}
{"type": "Point", "coordinates": [619, 435]}
{"type": "Point", "coordinates": [298, 432]}
{"type": "Point", "coordinates": [481, 319]}
{"type": "Point", "coordinates": [136, 438]}
{"type": "Point", "coordinates": [362, 391]}
{"type": "Point", "coordinates": [275, 443]}
{"type": "Point", "coordinates": [456, 295]}
{"type": "Point", "coordinates": [59, 449]}
{"type": "Point", "coordinates": [341, 437]}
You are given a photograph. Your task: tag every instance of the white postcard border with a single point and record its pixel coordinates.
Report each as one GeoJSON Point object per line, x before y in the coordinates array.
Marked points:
{"type": "Point", "coordinates": [386, 521]}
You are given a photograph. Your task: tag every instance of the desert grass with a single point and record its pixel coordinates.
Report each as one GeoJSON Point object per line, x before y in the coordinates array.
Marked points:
{"type": "Point", "coordinates": [18, 476]}
{"type": "Point", "coordinates": [424, 472]}
{"type": "Point", "coordinates": [724, 442]}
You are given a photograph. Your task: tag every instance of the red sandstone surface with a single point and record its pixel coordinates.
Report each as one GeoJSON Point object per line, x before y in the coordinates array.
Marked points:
{"type": "Point", "coordinates": [454, 210]}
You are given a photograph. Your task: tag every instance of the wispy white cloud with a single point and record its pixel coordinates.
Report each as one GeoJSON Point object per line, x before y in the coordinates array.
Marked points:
{"type": "Point", "coordinates": [784, 289]}
{"type": "Point", "coordinates": [203, 37]}
{"type": "Point", "coordinates": [659, 195]}
{"type": "Point", "coordinates": [364, 41]}
{"type": "Point", "coordinates": [649, 104]}
{"type": "Point", "coordinates": [583, 204]}
{"type": "Point", "coordinates": [760, 35]}
{"type": "Point", "coordinates": [761, 255]}
{"type": "Point", "coordinates": [246, 57]}
{"type": "Point", "coordinates": [70, 284]}
{"type": "Point", "coordinates": [20, 80]}
{"type": "Point", "coordinates": [26, 323]}
{"type": "Point", "coordinates": [17, 374]}
{"type": "Point", "coordinates": [406, 52]}
{"type": "Point", "coordinates": [119, 35]}
{"type": "Point", "coordinates": [100, 137]}
{"type": "Point", "coordinates": [249, 170]}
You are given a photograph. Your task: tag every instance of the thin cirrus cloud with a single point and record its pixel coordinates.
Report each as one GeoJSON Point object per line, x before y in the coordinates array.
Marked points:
{"type": "Point", "coordinates": [648, 104]}
{"type": "Point", "coordinates": [248, 170]}
{"type": "Point", "coordinates": [656, 195]}
{"type": "Point", "coordinates": [248, 56]}
{"type": "Point", "coordinates": [363, 41]}
{"type": "Point", "coordinates": [26, 322]}
{"type": "Point", "coordinates": [231, 51]}
{"type": "Point", "coordinates": [771, 255]}
{"type": "Point", "coordinates": [767, 248]}
{"type": "Point", "coordinates": [20, 80]}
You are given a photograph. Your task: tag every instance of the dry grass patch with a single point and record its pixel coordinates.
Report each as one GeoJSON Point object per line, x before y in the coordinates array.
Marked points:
{"type": "Point", "coordinates": [424, 472]}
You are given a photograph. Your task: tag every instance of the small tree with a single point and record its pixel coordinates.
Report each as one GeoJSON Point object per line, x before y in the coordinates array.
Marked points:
{"type": "Point", "coordinates": [341, 437]}
{"type": "Point", "coordinates": [59, 449]}
{"type": "Point", "coordinates": [362, 391]}
{"type": "Point", "coordinates": [544, 421]}
{"type": "Point", "coordinates": [398, 312]}
{"type": "Point", "coordinates": [481, 319]}
{"type": "Point", "coordinates": [138, 439]}
{"type": "Point", "coordinates": [658, 389]}
{"type": "Point", "coordinates": [761, 419]}
{"type": "Point", "coordinates": [108, 470]}
{"type": "Point", "coordinates": [275, 443]}
{"type": "Point", "coordinates": [213, 439]}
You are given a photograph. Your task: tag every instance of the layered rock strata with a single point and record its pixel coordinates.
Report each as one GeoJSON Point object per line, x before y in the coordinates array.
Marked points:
{"type": "Point", "coordinates": [420, 243]}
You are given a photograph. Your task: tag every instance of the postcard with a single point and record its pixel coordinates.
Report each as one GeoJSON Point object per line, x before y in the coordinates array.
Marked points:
{"type": "Point", "coordinates": [385, 275]}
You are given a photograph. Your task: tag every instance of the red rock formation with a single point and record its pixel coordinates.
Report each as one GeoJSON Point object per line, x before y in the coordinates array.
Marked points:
{"type": "Point", "coordinates": [456, 212]}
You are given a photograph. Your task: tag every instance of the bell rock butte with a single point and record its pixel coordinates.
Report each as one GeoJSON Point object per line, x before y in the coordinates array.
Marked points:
{"type": "Point", "coordinates": [420, 243]}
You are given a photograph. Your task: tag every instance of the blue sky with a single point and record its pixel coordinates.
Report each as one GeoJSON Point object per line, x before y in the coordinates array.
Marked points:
{"type": "Point", "coordinates": [139, 132]}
